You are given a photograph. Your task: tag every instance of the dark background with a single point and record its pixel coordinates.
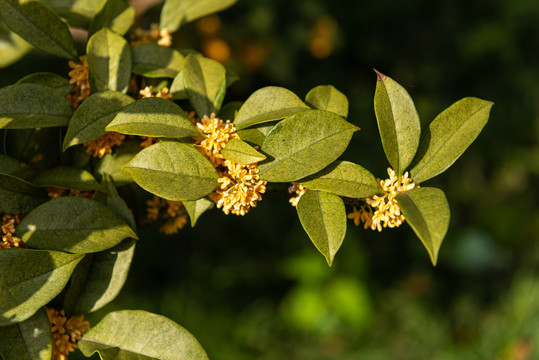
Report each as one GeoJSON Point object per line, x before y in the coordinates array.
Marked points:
{"type": "Point", "coordinates": [254, 287]}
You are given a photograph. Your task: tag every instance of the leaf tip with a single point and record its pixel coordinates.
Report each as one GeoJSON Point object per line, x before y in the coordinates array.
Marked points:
{"type": "Point", "coordinates": [379, 75]}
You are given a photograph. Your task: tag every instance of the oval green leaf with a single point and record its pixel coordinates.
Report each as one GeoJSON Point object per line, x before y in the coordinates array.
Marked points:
{"type": "Point", "coordinates": [256, 134]}
{"type": "Point", "coordinates": [109, 61]}
{"type": "Point", "coordinates": [154, 61]}
{"type": "Point", "coordinates": [205, 83]}
{"type": "Point", "coordinates": [40, 26]}
{"type": "Point", "coordinates": [137, 334]}
{"type": "Point", "coordinates": [195, 208]}
{"type": "Point", "coordinates": [177, 88]}
{"type": "Point", "coordinates": [28, 340]}
{"type": "Point", "coordinates": [12, 47]}
{"type": "Point", "coordinates": [240, 152]}
{"type": "Point", "coordinates": [9, 165]}
{"type": "Point", "coordinates": [78, 13]}
{"type": "Point", "coordinates": [323, 217]}
{"type": "Point", "coordinates": [326, 97]}
{"type": "Point", "coordinates": [68, 178]}
{"type": "Point", "coordinates": [344, 178]}
{"type": "Point", "coordinates": [112, 164]}
{"type": "Point", "coordinates": [115, 15]}
{"type": "Point", "coordinates": [268, 104]}
{"type": "Point", "coordinates": [175, 13]}
{"type": "Point", "coordinates": [73, 224]}
{"type": "Point", "coordinates": [398, 122]}
{"type": "Point", "coordinates": [154, 117]}
{"type": "Point", "coordinates": [30, 106]}
{"type": "Point", "coordinates": [448, 136]}
{"type": "Point", "coordinates": [93, 115]}
{"type": "Point", "coordinates": [304, 144]}
{"type": "Point", "coordinates": [51, 80]}
{"type": "Point", "coordinates": [427, 212]}
{"type": "Point", "coordinates": [30, 279]}
{"type": "Point", "coordinates": [98, 279]}
{"type": "Point", "coordinates": [173, 171]}
{"type": "Point", "coordinates": [18, 196]}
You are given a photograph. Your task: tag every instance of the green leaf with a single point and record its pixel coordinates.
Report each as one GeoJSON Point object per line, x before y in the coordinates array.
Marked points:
{"type": "Point", "coordinates": [205, 83]}
{"type": "Point", "coordinates": [398, 122]}
{"type": "Point", "coordinates": [9, 165]}
{"type": "Point", "coordinates": [175, 13]}
{"type": "Point", "coordinates": [12, 47]}
{"type": "Point", "coordinates": [18, 196]}
{"type": "Point", "coordinates": [112, 164]}
{"type": "Point", "coordinates": [98, 279]}
{"type": "Point", "coordinates": [240, 152]}
{"type": "Point", "coordinates": [195, 208]}
{"type": "Point", "coordinates": [93, 115]}
{"type": "Point", "coordinates": [29, 106]}
{"type": "Point", "coordinates": [256, 134]}
{"type": "Point", "coordinates": [109, 61]}
{"type": "Point", "coordinates": [40, 26]}
{"type": "Point", "coordinates": [344, 178]}
{"type": "Point", "coordinates": [323, 217]}
{"type": "Point", "coordinates": [117, 204]}
{"type": "Point", "coordinates": [177, 88]}
{"type": "Point", "coordinates": [30, 279]}
{"type": "Point", "coordinates": [51, 80]}
{"type": "Point", "coordinates": [136, 334]}
{"type": "Point", "coordinates": [68, 178]}
{"type": "Point", "coordinates": [73, 224]}
{"type": "Point", "coordinates": [154, 61]}
{"type": "Point", "coordinates": [448, 136]}
{"type": "Point", "coordinates": [28, 340]}
{"type": "Point", "coordinates": [154, 117]}
{"type": "Point", "coordinates": [229, 110]}
{"type": "Point", "coordinates": [304, 144]}
{"type": "Point", "coordinates": [173, 171]}
{"type": "Point", "coordinates": [268, 104]}
{"type": "Point", "coordinates": [78, 13]}
{"type": "Point", "coordinates": [326, 97]}
{"type": "Point", "coordinates": [427, 211]}
{"type": "Point", "coordinates": [115, 15]}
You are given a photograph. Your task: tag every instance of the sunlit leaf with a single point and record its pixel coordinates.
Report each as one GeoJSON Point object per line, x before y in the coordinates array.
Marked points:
{"type": "Point", "coordinates": [344, 178]}
{"type": "Point", "coordinates": [173, 171]}
{"type": "Point", "coordinates": [153, 60]}
{"type": "Point", "coordinates": [323, 217]}
{"type": "Point", "coordinates": [78, 13]}
{"type": "Point", "coordinates": [109, 61]}
{"type": "Point", "coordinates": [68, 178]}
{"type": "Point", "coordinates": [51, 80]}
{"type": "Point", "coordinates": [240, 152]}
{"type": "Point", "coordinates": [92, 227]}
{"type": "Point", "coordinates": [398, 122]}
{"type": "Point", "coordinates": [28, 340]}
{"type": "Point", "coordinates": [12, 47]}
{"type": "Point", "coordinates": [93, 115]}
{"type": "Point", "coordinates": [448, 136]}
{"type": "Point", "coordinates": [326, 97]}
{"type": "Point", "coordinates": [154, 117]}
{"type": "Point", "coordinates": [268, 104]}
{"type": "Point", "coordinates": [132, 335]}
{"type": "Point", "coordinates": [40, 26]}
{"type": "Point", "coordinates": [304, 144]}
{"type": "Point", "coordinates": [205, 83]}
{"type": "Point", "coordinates": [30, 279]}
{"type": "Point", "coordinates": [427, 211]}
{"type": "Point", "coordinates": [175, 13]}
{"type": "Point", "coordinates": [115, 15]}
{"type": "Point", "coordinates": [195, 208]}
{"type": "Point", "coordinates": [29, 106]}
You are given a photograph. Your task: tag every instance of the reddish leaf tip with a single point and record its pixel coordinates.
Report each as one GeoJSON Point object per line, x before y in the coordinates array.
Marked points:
{"type": "Point", "coordinates": [379, 75]}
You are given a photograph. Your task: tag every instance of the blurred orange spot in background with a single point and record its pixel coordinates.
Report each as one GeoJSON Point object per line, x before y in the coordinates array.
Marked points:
{"type": "Point", "coordinates": [323, 37]}
{"type": "Point", "coordinates": [216, 49]}
{"type": "Point", "coordinates": [254, 56]}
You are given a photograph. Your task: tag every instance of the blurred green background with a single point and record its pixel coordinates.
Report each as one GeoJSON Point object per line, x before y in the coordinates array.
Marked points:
{"type": "Point", "coordinates": [254, 287]}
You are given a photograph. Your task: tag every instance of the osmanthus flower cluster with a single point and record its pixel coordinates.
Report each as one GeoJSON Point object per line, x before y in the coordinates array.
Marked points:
{"type": "Point", "coordinates": [135, 118]}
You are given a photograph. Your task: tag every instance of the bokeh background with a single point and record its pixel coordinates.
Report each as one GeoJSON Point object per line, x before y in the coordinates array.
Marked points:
{"type": "Point", "coordinates": [254, 287]}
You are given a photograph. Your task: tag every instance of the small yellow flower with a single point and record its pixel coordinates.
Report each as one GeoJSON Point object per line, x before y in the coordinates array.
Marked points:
{"type": "Point", "coordinates": [56, 192]}
{"type": "Point", "coordinates": [154, 35]}
{"type": "Point", "coordinates": [147, 92]}
{"type": "Point", "coordinates": [7, 229]}
{"type": "Point", "coordinates": [172, 211]}
{"type": "Point", "coordinates": [79, 77]}
{"type": "Point", "coordinates": [104, 144]}
{"type": "Point", "coordinates": [299, 190]}
{"type": "Point", "coordinates": [387, 212]}
{"type": "Point", "coordinates": [173, 225]}
{"type": "Point", "coordinates": [65, 333]}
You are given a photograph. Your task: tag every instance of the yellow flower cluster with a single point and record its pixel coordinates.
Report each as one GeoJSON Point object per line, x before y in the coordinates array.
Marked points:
{"type": "Point", "coordinates": [79, 77]}
{"type": "Point", "coordinates": [387, 212]}
{"type": "Point", "coordinates": [104, 144]}
{"type": "Point", "coordinates": [240, 187]}
{"type": "Point", "coordinates": [176, 218]}
{"type": "Point", "coordinates": [299, 190]}
{"type": "Point", "coordinates": [162, 37]}
{"type": "Point", "coordinates": [7, 228]}
{"type": "Point", "coordinates": [65, 333]}
{"type": "Point", "coordinates": [56, 192]}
